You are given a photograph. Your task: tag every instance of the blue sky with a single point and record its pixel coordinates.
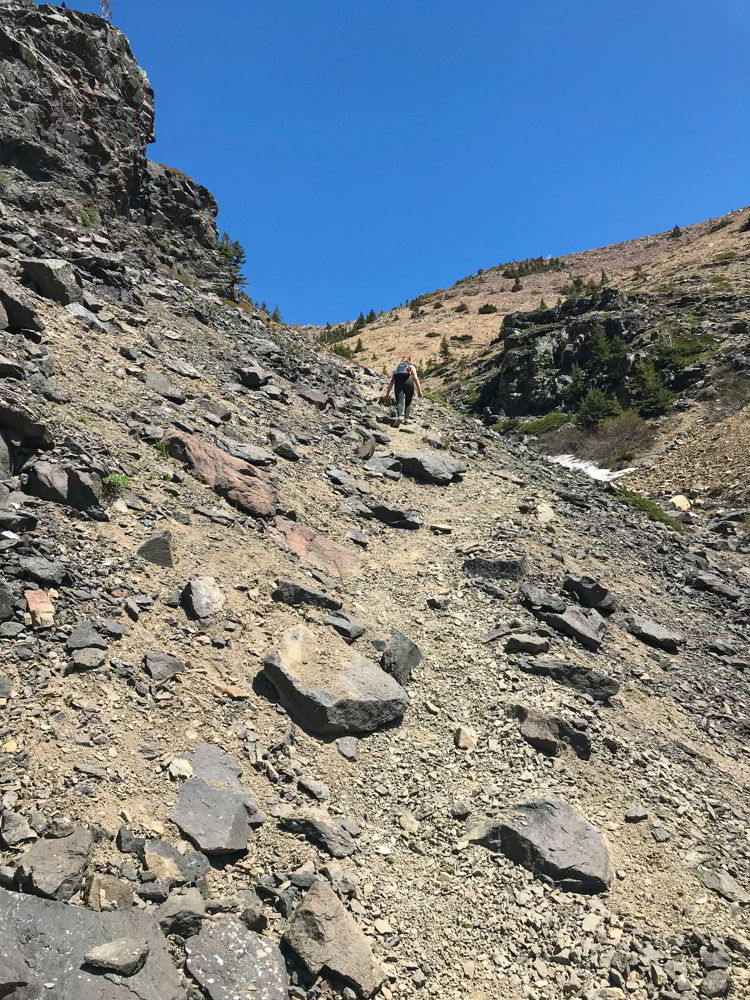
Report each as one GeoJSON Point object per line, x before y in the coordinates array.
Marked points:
{"type": "Point", "coordinates": [369, 150]}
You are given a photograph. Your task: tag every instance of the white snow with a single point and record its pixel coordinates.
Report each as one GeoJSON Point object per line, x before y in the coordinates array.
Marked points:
{"type": "Point", "coordinates": [579, 464]}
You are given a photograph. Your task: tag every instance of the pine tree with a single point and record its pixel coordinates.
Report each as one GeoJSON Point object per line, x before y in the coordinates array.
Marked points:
{"type": "Point", "coordinates": [359, 322]}
{"type": "Point", "coordinates": [651, 395]}
{"type": "Point", "coordinates": [542, 303]}
{"type": "Point", "coordinates": [371, 316]}
{"type": "Point", "coordinates": [360, 346]}
{"type": "Point", "coordinates": [276, 314]}
{"type": "Point", "coordinates": [234, 254]}
{"type": "Point", "coordinates": [595, 407]}
{"type": "Point", "coordinates": [445, 350]}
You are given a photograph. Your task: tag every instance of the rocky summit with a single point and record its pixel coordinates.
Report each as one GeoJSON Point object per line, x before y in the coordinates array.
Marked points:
{"type": "Point", "coordinates": [298, 703]}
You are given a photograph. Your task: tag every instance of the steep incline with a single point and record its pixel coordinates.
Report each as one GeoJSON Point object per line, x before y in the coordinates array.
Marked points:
{"type": "Point", "coordinates": [433, 715]}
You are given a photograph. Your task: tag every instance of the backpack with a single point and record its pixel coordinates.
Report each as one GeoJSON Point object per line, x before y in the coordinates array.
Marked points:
{"type": "Point", "coordinates": [403, 369]}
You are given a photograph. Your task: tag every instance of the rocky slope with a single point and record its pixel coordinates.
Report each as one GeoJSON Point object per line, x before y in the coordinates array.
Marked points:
{"type": "Point", "coordinates": [297, 703]}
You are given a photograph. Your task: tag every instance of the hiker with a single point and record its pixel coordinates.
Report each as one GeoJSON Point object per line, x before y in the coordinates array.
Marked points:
{"type": "Point", "coordinates": [405, 380]}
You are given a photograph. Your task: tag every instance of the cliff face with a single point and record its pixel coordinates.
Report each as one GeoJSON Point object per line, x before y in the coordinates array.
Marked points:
{"type": "Point", "coordinates": [76, 117]}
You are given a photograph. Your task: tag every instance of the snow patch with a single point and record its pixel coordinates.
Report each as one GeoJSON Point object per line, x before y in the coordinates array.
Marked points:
{"type": "Point", "coordinates": [591, 470]}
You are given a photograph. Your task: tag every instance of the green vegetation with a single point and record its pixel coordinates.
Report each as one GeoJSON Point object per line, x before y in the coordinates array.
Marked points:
{"type": "Point", "coordinates": [463, 338]}
{"type": "Point", "coordinates": [508, 425]}
{"type": "Point", "coordinates": [115, 484]}
{"type": "Point", "coordinates": [595, 408]}
{"type": "Point", "coordinates": [650, 394]}
{"type": "Point", "coordinates": [432, 334]}
{"type": "Point", "coordinates": [161, 448]}
{"type": "Point", "coordinates": [721, 224]}
{"type": "Point", "coordinates": [371, 316]}
{"type": "Point", "coordinates": [235, 259]}
{"type": "Point", "coordinates": [445, 351]}
{"type": "Point", "coordinates": [343, 351]}
{"type": "Point", "coordinates": [651, 509]}
{"type": "Point", "coordinates": [333, 334]}
{"type": "Point", "coordinates": [543, 425]}
{"type": "Point", "coordinates": [486, 309]}
{"type": "Point", "coordinates": [724, 258]}
{"type": "Point", "coordinates": [577, 288]}
{"type": "Point", "coordinates": [435, 397]}
{"type": "Point", "coordinates": [532, 265]}
{"type": "Point", "coordinates": [437, 304]}
{"type": "Point", "coordinates": [90, 217]}
{"type": "Point", "coordinates": [676, 233]}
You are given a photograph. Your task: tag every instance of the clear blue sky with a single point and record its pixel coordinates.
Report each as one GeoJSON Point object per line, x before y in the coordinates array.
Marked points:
{"type": "Point", "coordinates": [369, 150]}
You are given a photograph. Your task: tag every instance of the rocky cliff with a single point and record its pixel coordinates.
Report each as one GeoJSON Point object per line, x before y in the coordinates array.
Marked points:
{"type": "Point", "coordinates": [297, 703]}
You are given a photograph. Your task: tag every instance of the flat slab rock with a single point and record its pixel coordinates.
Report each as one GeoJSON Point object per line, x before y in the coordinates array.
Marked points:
{"type": "Point", "coordinates": [432, 466]}
{"type": "Point", "coordinates": [317, 550]}
{"type": "Point", "coordinates": [325, 936]}
{"type": "Point", "coordinates": [550, 837]}
{"type": "Point", "coordinates": [213, 809]}
{"type": "Point", "coordinates": [653, 634]}
{"type": "Point", "coordinates": [44, 942]}
{"type": "Point", "coordinates": [329, 689]}
{"type": "Point", "coordinates": [573, 675]}
{"type": "Point", "coordinates": [231, 962]}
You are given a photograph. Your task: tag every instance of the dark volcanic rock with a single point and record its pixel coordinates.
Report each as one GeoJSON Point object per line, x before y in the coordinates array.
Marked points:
{"type": "Point", "coordinates": [162, 666]}
{"type": "Point", "coordinates": [44, 942]}
{"type": "Point", "coordinates": [547, 733]}
{"type": "Point", "coordinates": [54, 279]}
{"type": "Point", "coordinates": [588, 628]}
{"type": "Point", "coordinates": [574, 675]}
{"type": "Point", "coordinates": [229, 961]}
{"type": "Point", "coordinates": [332, 691]}
{"type": "Point", "coordinates": [294, 593]}
{"type": "Point", "coordinates": [347, 626]}
{"type": "Point", "coordinates": [400, 656]}
{"type": "Point", "coordinates": [497, 567]}
{"type": "Point", "coordinates": [66, 486]}
{"type": "Point", "coordinates": [396, 516]}
{"type": "Point", "coordinates": [591, 593]}
{"type": "Point", "coordinates": [432, 466]}
{"type": "Point", "coordinates": [158, 549]}
{"type": "Point", "coordinates": [49, 574]}
{"type": "Point", "coordinates": [17, 303]}
{"type": "Point", "coordinates": [551, 838]}
{"type": "Point", "coordinates": [55, 868]}
{"type": "Point", "coordinates": [653, 634]}
{"type": "Point", "coordinates": [331, 833]}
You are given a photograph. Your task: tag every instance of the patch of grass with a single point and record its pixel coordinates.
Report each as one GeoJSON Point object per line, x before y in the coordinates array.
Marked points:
{"type": "Point", "coordinates": [435, 397]}
{"type": "Point", "coordinates": [115, 484]}
{"type": "Point", "coordinates": [651, 509]}
{"type": "Point", "coordinates": [720, 280]}
{"type": "Point", "coordinates": [721, 224]}
{"type": "Point", "coordinates": [543, 425]}
{"type": "Point", "coordinates": [614, 444]}
{"type": "Point", "coordinates": [90, 217]}
{"type": "Point", "coordinates": [486, 309]}
{"type": "Point", "coordinates": [724, 258]}
{"type": "Point", "coordinates": [506, 426]}
{"type": "Point", "coordinates": [161, 448]}
{"type": "Point", "coordinates": [180, 273]}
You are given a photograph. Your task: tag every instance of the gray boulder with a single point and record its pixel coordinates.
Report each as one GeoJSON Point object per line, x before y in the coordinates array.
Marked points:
{"type": "Point", "coordinates": [496, 567]}
{"type": "Point", "coordinates": [538, 600]}
{"type": "Point", "coordinates": [586, 627]}
{"type": "Point", "coordinates": [183, 913]}
{"type": "Point", "coordinates": [43, 571]}
{"type": "Point", "coordinates": [551, 838]}
{"type": "Point", "coordinates": [722, 883]}
{"type": "Point", "coordinates": [519, 642]}
{"type": "Point", "coordinates": [432, 466]}
{"type": "Point", "coordinates": [229, 961]}
{"type": "Point", "coordinates": [296, 593]}
{"type": "Point", "coordinates": [653, 634]}
{"type": "Point", "coordinates": [55, 279]}
{"type": "Point", "coordinates": [325, 937]}
{"type": "Point", "coordinates": [396, 516]}
{"type": "Point", "coordinates": [55, 868]}
{"type": "Point", "coordinates": [161, 385]}
{"type": "Point", "coordinates": [591, 594]}
{"type": "Point", "coordinates": [328, 690]}
{"type": "Point", "coordinates": [158, 549]}
{"type": "Point", "coordinates": [18, 306]}
{"type": "Point", "coordinates": [714, 585]}
{"type": "Point", "coordinates": [65, 486]}
{"type": "Point", "coordinates": [384, 465]}
{"type": "Point", "coordinates": [400, 657]}
{"type": "Point", "coordinates": [253, 376]}
{"type": "Point", "coordinates": [346, 625]}
{"type": "Point", "coordinates": [213, 809]}
{"type": "Point", "coordinates": [124, 956]}
{"type": "Point", "coordinates": [331, 833]}
{"type": "Point", "coordinates": [548, 734]}
{"type": "Point", "coordinates": [599, 686]}
{"type": "Point", "coordinates": [202, 597]}
{"type": "Point", "coordinates": [162, 666]}
{"type": "Point", "coordinates": [44, 942]}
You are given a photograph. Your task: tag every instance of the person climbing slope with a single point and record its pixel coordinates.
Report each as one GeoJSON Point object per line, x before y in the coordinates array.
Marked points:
{"type": "Point", "coordinates": [405, 380]}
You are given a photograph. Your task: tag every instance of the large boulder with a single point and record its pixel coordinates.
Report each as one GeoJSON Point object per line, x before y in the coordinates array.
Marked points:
{"type": "Point", "coordinates": [63, 485]}
{"type": "Point", "coordinates": [586, 627]}
{"type": "Point", "coordinates": [243, 485]}
{"type": "Point", "coordinates": [548, 733]}
{"type": "Point", "coordinates": [43, 945]}
{"type": "Point", "coordinates": [551, 838]}
{"type": "Point", "coordinates": [55, 279]}
{"type": "Point", "coordinates": [230, 962]}
{"type": "Point", "coordinates": [432, 466]}
{"type": "Point", "coordinates": [18, 305]}
{"type": "Point", "coordinates": [325, 936]}
{"type": "Point", "coordinates": [296, 593]}
{"type": "Point", "coordinates": [591, 593]}
{"type": "Point", "coordinates": [330, 690]}
{"type": "Point", "coordinates": [496, 567]}
{"type": "Point", "coordinates": [55, 868]}
{"type": "Point", "coordinates": [202, 597]}
{"type": "Point", "coordinates": [400, 656]}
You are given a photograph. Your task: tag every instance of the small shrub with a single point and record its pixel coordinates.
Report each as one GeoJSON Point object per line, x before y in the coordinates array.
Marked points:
{"type": "Point", "coordinates": [651, 509]}
{"type": "Point", "coordinates": [486, 309]}
{"type": "Point", "coordinates": [651, 395]}
{"type": "Point", "coordinates": [506, 426]}
{"type": "Point", "coordinates": [343, 350]}
{"type": "Point", "coordinates": [517, 285]}
{"type": "Point", "coordinates": [543, 425]}
{"type": "Point", "coordinates": [724, 258]}
{"type": "Point", "coordinates": [276, 315]}
{"type": "Point", "coordinates": [115, 484]}
{"type": "Point", "coordinates": [464, 338]}
{"type": "Point", "coordinates": [445, 351]}
{"type": "Point", "coordinates": [161, 448]}
{"type": "Point", "coordinates": [595, 407]}
{"type": "Point", "coordinates": [461, 308]}
{"type": "Point", "coordinates": [435, 397]}
{"type": "Point", "coordinates": [432, 334]}
{"type": "Point", "coordinates": [437, 304]}
{"type": "Point", "coordinates": [676, 233]}
{"type": "Point", "coordinates": [721, 224]}
{"type": "Point", "coordinates": [89, 217]}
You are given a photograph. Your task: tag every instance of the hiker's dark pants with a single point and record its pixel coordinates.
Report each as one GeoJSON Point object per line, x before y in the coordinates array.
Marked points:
{"type": "Point", "coordinates": [404, 397]}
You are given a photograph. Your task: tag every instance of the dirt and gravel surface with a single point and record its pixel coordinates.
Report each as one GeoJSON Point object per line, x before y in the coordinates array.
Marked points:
{"type": "Point", "coordinates": [507, 755]}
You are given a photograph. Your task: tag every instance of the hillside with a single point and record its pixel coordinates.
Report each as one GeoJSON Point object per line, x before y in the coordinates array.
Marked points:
{"type": "Point", "coordinates": [296, 703]}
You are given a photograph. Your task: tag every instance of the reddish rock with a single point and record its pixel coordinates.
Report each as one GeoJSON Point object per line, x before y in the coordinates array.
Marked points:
{"type": "Point", "coordinates": [243, 485]}
{"type": "Point", "coordinates": [317, 550]}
